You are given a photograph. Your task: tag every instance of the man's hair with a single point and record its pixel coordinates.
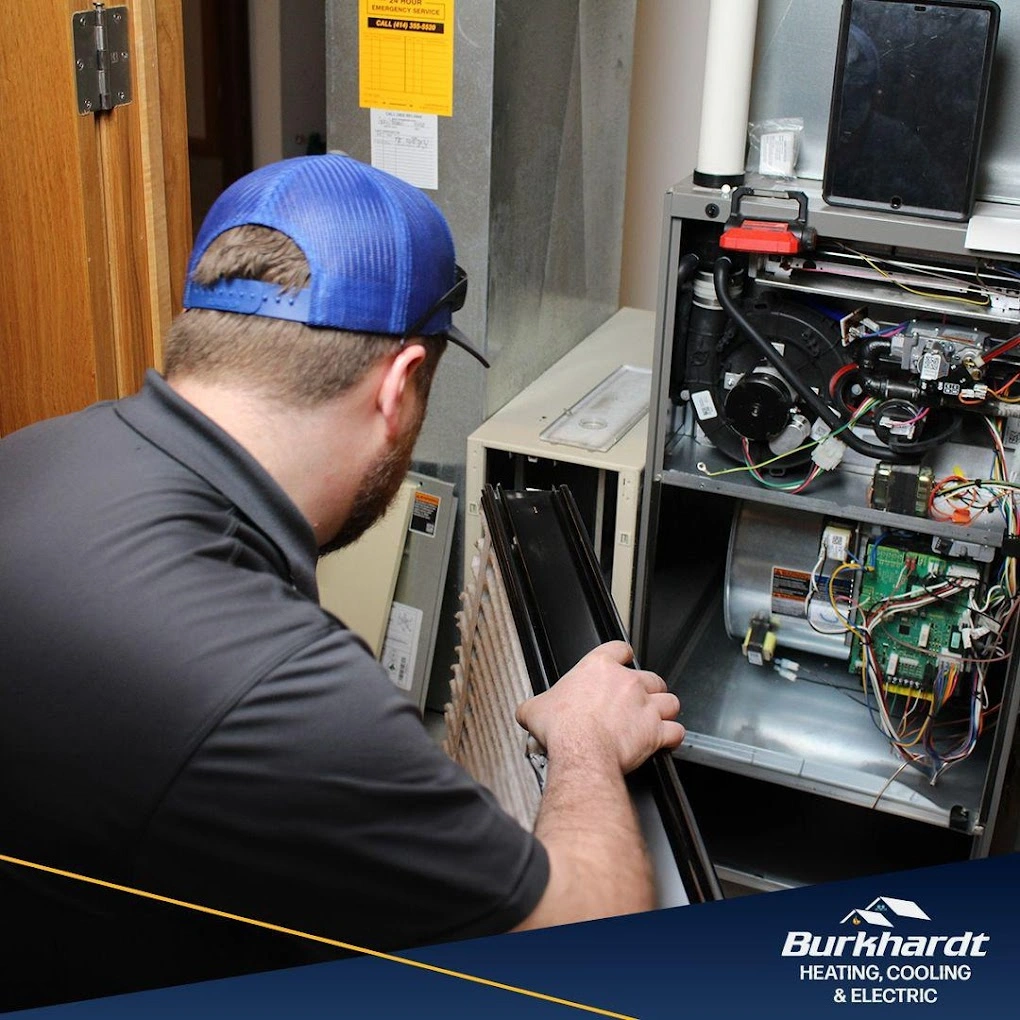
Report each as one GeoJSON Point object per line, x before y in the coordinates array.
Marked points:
{"type": "Point", "coordinates": [287, 361]}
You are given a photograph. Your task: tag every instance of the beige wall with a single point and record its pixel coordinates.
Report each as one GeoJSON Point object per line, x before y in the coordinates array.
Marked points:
{"type": "Point", "coordinates": [266, 112]}
{"type": "Point", "coordinates": [665, 116]}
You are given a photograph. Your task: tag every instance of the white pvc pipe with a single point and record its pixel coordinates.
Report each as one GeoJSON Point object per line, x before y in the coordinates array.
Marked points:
{"type": "Point", "coordinates": [729, 61]}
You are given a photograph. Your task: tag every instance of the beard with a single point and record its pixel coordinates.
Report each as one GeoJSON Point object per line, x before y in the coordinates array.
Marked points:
{"type": "Point", "coordinates": [377, 489]}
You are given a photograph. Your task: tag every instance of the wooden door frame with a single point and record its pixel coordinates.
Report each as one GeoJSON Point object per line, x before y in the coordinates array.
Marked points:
{"type": "Point", "coordinates": [148, 224]}
{"type": "Point", "coordinates": [96, 213]}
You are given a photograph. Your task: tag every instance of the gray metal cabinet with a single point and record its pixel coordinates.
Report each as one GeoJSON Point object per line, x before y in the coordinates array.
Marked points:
{"type": "Point", "coordinates": [836, 617]}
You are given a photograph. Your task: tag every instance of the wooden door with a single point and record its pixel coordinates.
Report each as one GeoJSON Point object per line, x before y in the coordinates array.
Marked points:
{"type": "Point", "coordinates": [94, 211]}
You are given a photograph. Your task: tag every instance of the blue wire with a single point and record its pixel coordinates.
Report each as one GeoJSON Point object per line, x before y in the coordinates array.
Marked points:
{"type": "Point", "coordinates": [888, 331]}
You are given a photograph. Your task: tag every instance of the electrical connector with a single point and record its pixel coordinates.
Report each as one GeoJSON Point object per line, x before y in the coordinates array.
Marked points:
{"type": "Point", "coordinates": [963, 572]}
{"type": "Point", "coordinates": [989, 625]}
{"type": "Point", "coordinates": [786, 668]}
{"type": "Point", "coordinates": [828, 454]}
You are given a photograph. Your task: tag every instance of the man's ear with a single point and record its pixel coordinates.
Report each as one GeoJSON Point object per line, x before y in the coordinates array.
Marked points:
{"type": "Point", "coordinates": [397, 387]}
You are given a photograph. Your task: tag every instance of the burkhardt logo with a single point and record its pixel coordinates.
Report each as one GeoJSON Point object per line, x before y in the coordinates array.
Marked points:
{"type": "Point", "coordinates": [880, 913]}
{"type": "Point", "coordinates": [887, 928]}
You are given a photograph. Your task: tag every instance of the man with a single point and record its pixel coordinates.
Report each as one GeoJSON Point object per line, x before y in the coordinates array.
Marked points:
{"type": "Point", "coordinates": [177, 713]}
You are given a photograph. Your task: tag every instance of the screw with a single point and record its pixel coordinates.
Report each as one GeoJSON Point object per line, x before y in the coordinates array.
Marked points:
{"type": "Point", "coordinates": [80, 64]}
{"type": "Point", "coordinates": [120, 96]}
{"type": "Point", "coordinates": [87, 104]}
{"type": "Point", "coordinates": [711, 210]}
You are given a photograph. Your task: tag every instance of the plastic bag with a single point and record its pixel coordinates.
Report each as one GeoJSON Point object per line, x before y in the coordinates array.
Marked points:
{"type": "Point", "coordinates": [774, 146]}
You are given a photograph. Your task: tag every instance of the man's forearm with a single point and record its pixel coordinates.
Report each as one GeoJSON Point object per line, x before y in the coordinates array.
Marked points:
{"type": "Point", "coordinates": [598, 863]}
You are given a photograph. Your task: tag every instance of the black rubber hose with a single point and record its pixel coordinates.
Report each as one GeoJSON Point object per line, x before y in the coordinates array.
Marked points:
{"type": "Point", "coordinates": [721, 276]}
{"type": "Point", "coordinates": [685, 270]}
{"type": "Point", "coordinates": [886, 389]}
{"type": "Point", "coordinates": [870, 350]}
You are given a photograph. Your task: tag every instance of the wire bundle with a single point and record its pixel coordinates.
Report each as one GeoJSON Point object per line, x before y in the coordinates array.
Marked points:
{"type": "Point", "coordinates": [910, 726]}
{"type": "Point", "coordinates": [796, 485]}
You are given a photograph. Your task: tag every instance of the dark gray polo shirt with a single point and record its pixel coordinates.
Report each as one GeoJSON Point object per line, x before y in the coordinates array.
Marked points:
{"type": "Point", "coordinates": [178, 714]}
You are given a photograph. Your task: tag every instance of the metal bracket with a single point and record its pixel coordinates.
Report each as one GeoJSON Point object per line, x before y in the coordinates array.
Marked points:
{"type": "Point", "coordinates": [539, 762]}
{"type": "Point", "coordinates": [101, 58]}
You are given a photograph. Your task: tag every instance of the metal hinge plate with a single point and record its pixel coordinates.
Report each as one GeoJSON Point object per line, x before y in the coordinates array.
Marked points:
{"type": "Point", "coordinates": [102, 67]}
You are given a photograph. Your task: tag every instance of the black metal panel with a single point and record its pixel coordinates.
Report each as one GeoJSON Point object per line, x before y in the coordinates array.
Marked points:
{"type": "Point", "coordinates": [562, 610]}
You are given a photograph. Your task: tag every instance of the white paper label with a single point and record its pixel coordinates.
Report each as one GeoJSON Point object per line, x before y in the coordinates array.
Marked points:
{"type": "Point", "coordinates": [704, 405]}
{"type": "Point", "coordinates": [778, 153]}
{"type": "Point", "coordinates": [400, 646]}
{"type": "Point", "coordinates": [407, 146]}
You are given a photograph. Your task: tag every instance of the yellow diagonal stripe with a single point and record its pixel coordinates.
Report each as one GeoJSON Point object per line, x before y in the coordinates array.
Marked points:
{"type": "Point", "coordinates": [316, 938]}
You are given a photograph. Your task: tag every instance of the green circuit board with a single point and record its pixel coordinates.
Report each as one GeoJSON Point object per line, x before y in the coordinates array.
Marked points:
{"type": "Point", "coordinates": [908, 646]}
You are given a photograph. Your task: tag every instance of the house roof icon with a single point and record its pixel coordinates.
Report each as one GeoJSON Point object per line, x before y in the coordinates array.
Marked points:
{"type": "Point", "coordinates": [859, 916]}
{"type": "Point", "coordinates": [901, 908]}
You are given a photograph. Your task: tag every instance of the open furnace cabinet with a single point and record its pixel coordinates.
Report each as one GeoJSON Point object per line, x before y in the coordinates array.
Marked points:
{"type": "Point", "coordinates": [826, 571]}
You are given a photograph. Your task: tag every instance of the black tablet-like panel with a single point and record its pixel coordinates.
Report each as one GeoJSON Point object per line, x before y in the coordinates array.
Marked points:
{"type": "Point", "coordinates": [908, 104]}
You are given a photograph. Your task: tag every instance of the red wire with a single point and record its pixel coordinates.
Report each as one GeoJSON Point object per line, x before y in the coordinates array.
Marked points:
{"type": "Point", "coordinates": [1003, 389]}
{"type": "Point", "coordinates": [1006, 345]}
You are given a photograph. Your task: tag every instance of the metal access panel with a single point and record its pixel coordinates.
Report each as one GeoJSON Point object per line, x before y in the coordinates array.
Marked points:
{"type": "Point", "coordinates": [562, 609]}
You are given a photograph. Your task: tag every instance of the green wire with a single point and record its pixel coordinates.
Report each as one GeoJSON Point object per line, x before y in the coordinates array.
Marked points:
{"type": "Point", "coordinates": [861, 411]}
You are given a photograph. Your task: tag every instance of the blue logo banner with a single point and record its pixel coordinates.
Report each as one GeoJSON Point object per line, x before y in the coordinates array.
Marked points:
{"type": "Point", "coordinates": [940, 941]}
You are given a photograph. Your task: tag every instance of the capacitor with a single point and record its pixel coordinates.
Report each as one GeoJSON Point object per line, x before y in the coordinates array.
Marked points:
{"type": "Point", "coordinates": [796, 433]}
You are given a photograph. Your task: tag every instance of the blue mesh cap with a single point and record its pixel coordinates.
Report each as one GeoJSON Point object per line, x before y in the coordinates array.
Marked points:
{"type": "Point", "coordinates": [379, 250]}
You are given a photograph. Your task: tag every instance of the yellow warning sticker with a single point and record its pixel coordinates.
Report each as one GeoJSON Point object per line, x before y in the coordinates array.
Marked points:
{"type": "Point", "coordinates": [406, 55]}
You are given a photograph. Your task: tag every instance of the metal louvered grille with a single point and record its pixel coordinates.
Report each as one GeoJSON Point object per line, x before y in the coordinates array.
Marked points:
{"type": "Point", "coordinates": [490, 679]}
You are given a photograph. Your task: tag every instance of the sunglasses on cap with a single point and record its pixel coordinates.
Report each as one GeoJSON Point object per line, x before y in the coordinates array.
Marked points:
{"type": "Point", "coordinates": [454, 299]}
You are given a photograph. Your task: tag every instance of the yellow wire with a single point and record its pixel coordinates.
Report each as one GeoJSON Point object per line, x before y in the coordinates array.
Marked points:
{"type": "Point", "coordinates": [920, 733]}
{"type": "Point", "coordinates": [314, 938]}
{"type": "Point", "coordinates": [845, 620]}
{"type": "Point", "coordinates": [920, 293]}
{"type": "Point", "coordinates": [703, 468]}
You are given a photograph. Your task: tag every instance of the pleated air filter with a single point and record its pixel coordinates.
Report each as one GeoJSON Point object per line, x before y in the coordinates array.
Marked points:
{"type": "Point", "coordinates": [490, 679]}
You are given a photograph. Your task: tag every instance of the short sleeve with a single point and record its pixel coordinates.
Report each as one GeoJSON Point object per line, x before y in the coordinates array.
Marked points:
{"type": "Point", "coordinates": [320, 803]}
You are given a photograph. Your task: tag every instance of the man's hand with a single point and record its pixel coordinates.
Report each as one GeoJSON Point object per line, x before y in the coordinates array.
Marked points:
{"type": "Point", "coordinates": [604, 712]}
{"type": "Point", "coordinates": [598, 722]}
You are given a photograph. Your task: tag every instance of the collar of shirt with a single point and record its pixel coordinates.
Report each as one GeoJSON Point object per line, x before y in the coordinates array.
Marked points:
{"type": "Point", "coordinates": [168, 421]}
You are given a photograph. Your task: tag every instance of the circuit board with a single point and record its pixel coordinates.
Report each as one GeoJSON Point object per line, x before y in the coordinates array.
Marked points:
{"type": "Point", "coordinates": [908, 646]}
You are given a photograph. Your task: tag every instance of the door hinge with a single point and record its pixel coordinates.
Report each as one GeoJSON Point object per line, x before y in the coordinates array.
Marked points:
{"type": "Point", "coordinates": [102, 67]}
